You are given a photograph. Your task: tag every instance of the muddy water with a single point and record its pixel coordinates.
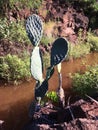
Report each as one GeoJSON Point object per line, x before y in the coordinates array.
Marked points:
{"type": "Point", "coordinates": [14, 101]}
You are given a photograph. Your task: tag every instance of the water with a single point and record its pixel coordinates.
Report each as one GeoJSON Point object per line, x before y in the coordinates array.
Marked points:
{"type": "Point", "coordinates": [15, 101]}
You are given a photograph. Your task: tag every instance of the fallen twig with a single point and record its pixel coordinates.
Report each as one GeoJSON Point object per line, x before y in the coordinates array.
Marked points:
{"type": "Point", "coordinates": [91, 99]}
{"type": "Point", "coordinates": [69, 107]}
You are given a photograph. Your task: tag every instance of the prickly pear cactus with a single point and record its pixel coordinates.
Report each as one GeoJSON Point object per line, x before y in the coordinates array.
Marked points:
{"type": "Point", "coordinates": [34, 29]}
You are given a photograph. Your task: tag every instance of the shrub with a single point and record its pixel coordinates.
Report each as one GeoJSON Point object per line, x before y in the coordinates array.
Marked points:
{"type": "Point", "coordinates": [93, 41]}
{"type": "Point", "coordinates": [13, 31]}
{"type": "Point", "coordinates": [13, 68]}
{"type": "Point", "coordinates": [78, 50]}
{"type": "Point", "coordinates": [46, 60]}
{"type": "Point", "coordinates": [18, 32]}
{"type": "Point", "coordinates": [86, 83]}
{"type": "Point", "coordinates": [52, 96]}
{"type": "Point", "coordinates": [6, 5]}
{"type": "Point", "coordinates": [82, 48]}
{"type": "Point", "coordinates": [49, 32]}
{"type": "Point", "coordinates": [27, 3]}
{"type": "Point", "coordinates": [45, 40]}
{"type": "Point", "coordinates": [4, 28]}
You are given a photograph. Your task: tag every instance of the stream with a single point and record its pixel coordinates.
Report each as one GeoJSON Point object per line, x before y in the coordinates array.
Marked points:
{"type": "Point", "coordinates": [15, 100]}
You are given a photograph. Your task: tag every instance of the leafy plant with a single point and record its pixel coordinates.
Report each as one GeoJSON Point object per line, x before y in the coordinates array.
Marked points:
{"type": "Point", "coordinates": [13, 68]}
{"type": "Point", "coordinates": [18, 33]}
{"type": "Point", "coordinates": [49, 32]}
{"type": "Point", "coordinates": [78, 50]}
{"type": "Point", "coordinates": [52, 96]}
{"type": "Point", "coordinates": [82, 48]}
{"type": "Point", "coordinates": [4, 27]}
{"type": "Point", "coordinates": [13, 31]}
{"type": "Point", "coordinates": [86, 83]}
{"type": "Point", "coordinates": [45, 40]}
{"type": "Point", "coordinates": [26, 3]}
{"type": "Point", "coordinates": [46, 60]}
{"type": "Point", "coordinates": [93, 41]}
{"type": "Point", "coordinates": [92, 3]}
{"type": "Point", "coordinates": [6, 5]}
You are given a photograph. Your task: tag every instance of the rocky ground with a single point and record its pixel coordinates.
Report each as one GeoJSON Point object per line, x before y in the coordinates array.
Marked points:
{"type": "Point", "coordinates": [69, 19]}
{"type": "Point", "coordinates": [80, 115]}
{"type": "Point", "coordinates": [13, 48]}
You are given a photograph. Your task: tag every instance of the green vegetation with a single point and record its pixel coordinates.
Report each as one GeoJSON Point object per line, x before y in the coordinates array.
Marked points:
{"type": "Point", "coordinates": [13, 31]}
{"type": "Point", "coordinates": [46, 60]}
{"type": "Point", "coordinates": [81, 48]}
{"type": "Point", "coordinates": [92, 3]}
{"type": "Point", "coordinates": [86, 83]}
{"type": "Point", "coordinates": [93, 41]}
{"type": "Point", "coordinates": [52, 95]}
{"type": "Point", "coordinates": [78, 50]}
{"type": "Point", "coordinates": [49, 30]}
{"type": "Point", "coordinates": [45, 40]}
{"type": "Point", "coordinates": [6, 5]}
{"type": "Point", "coordinates": [27, 3]}
{"type": "Point", "coordinates": [13, 68]}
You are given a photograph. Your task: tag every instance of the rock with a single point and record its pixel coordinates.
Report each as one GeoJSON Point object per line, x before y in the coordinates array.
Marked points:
{"type": "Point", "coordinates": [51, 117]}
{"type": "Point", "coordinates": [1, 125]}
{"type": "Point", "coordinates": [13, 48]}
{"type": "Point", "coordinates": [69, 19]}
